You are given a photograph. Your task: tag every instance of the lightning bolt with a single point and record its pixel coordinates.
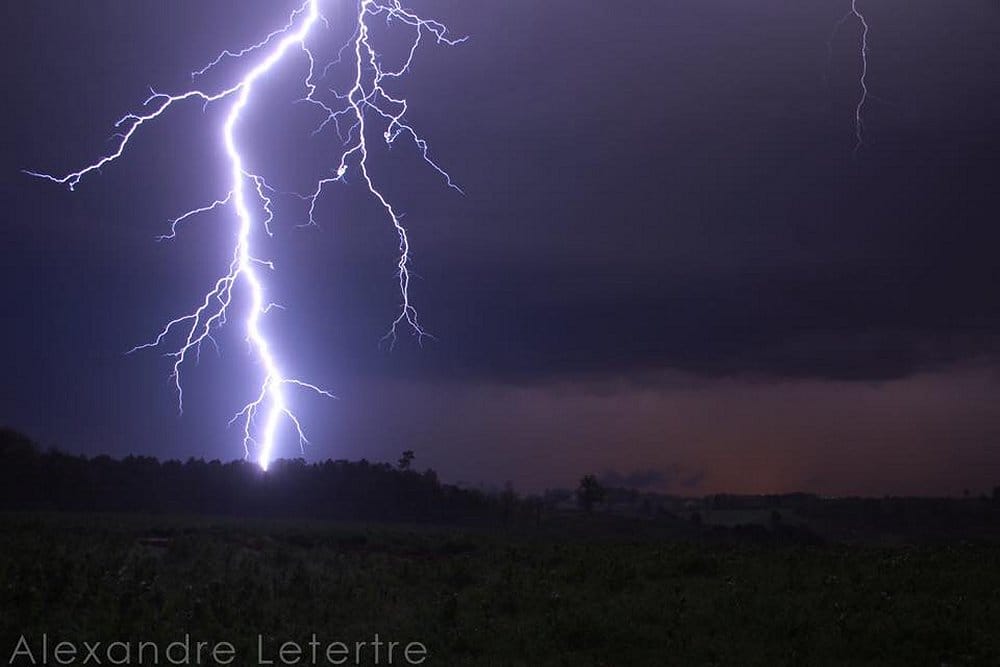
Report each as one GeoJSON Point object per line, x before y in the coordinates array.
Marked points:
{"type": "Point", "coordinates": [368, 103]}
{"type": "Point", "coordinates": [856, 14]}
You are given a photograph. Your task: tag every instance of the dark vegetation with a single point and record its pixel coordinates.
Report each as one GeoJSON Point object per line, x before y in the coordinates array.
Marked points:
{"type": "Point", "coordinates": [100, 549]}
{"type": "Point", "coordinates": [481, 599]}
{"type": "Point", "coordinates": [35, 480]}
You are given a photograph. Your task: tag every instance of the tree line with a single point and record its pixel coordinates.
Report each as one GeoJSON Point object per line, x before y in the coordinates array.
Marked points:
{"type": "Point", "coordinates": [32, 479]}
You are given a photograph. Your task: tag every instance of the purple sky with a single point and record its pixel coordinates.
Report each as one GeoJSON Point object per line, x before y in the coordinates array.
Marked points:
{"type": "Point", "coordinates": [667, 265]}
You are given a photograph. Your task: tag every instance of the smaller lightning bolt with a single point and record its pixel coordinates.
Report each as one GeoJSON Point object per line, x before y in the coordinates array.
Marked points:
{"type": "Point", "coordinates": [859, 110]}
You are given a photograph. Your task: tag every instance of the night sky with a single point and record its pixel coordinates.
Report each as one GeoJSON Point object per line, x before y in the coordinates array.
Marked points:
{"type": "Point", "coordinates": [667, 269]}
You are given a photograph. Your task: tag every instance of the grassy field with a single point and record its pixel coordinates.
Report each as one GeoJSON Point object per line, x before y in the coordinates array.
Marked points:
{"type": "Point", "coordinates": [485, 599]}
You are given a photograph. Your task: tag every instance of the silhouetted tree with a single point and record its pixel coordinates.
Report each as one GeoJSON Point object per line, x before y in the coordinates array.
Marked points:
{"type": "Point", "coordinates": [406, 460]}
{"type": "Point", "coordinates": [536, 504]}
{"type": "Point", "coordinates": [508, 501]}
{"type": "Point", "coordinates": [16, 445]}
{"type": "Point", "coordinates": [589, 493]}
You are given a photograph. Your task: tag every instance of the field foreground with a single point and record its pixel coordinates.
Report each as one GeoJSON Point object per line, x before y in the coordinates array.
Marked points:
{"type": "Point", "coordinates": [474, 598]}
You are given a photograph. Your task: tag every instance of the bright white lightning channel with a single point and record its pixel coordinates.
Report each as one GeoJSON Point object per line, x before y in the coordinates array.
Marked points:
{"type": "Point", "coordinates": [249, 194]}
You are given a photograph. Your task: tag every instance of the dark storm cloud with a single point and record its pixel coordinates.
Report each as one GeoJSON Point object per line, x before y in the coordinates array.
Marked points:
{"type": "Point", "coordinates": [865, 323]}
{"type": "Point", "coordinates": [715, 224]}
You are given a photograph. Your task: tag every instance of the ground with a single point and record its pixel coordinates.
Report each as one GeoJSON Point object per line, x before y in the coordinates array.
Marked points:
{"type": "Point", "coordinates": [477, 597]}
